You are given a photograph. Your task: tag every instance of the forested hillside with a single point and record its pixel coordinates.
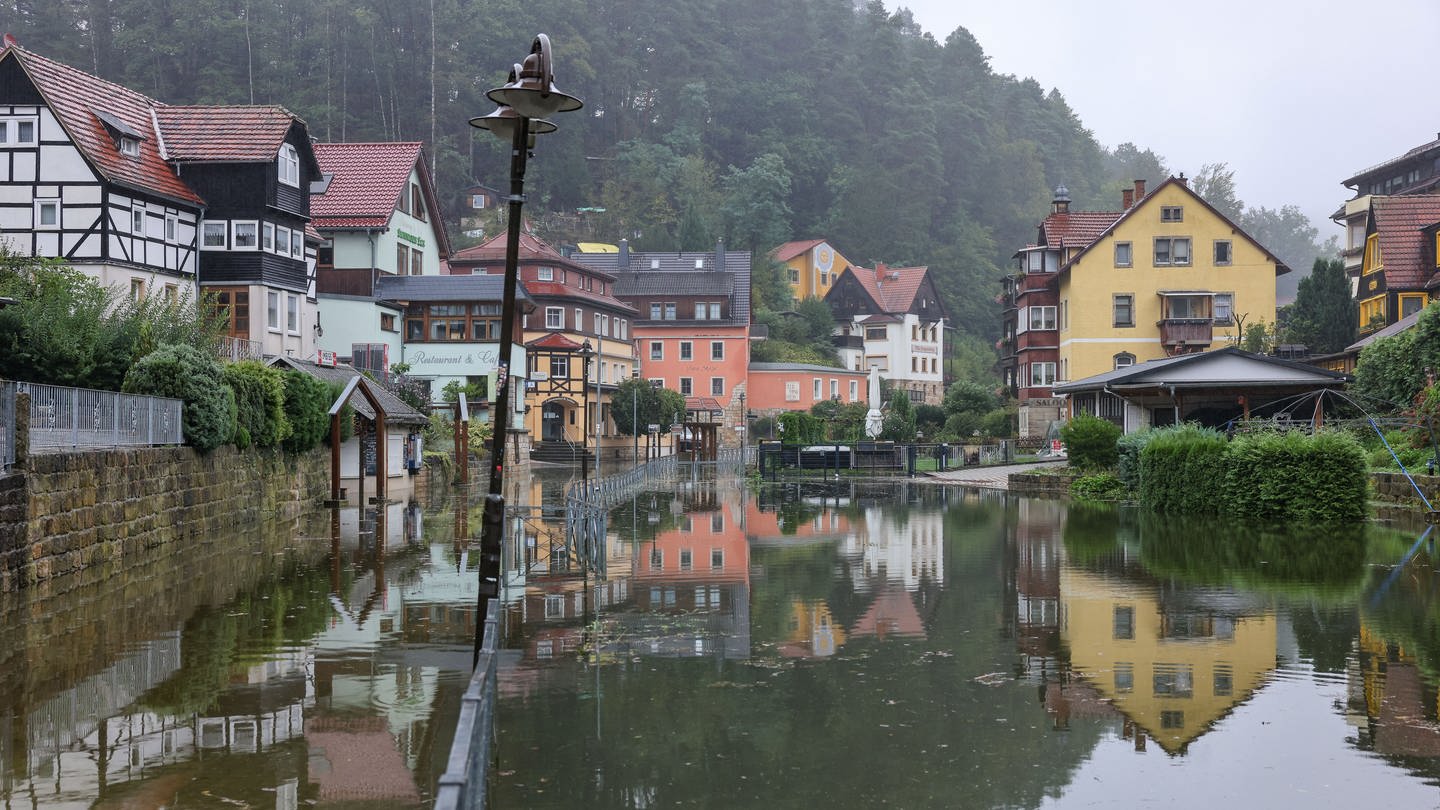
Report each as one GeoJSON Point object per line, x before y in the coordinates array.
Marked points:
{"type": "Point", "coordinates": [750, 120]}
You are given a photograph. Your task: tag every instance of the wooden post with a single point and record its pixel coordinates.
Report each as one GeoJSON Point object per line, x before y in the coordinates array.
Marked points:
{"type": "Point", "coordinates": [382, 472]}
{"type": "Point", "coordinates": [335, 459]}
{"type": "Point", "coordinates": [1319, 412]}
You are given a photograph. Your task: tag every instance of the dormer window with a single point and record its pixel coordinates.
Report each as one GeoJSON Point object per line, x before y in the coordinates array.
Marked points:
{"type": "Point", "coordinates": [127, 138]}
{"type": "Point", "coordinates": [289, 165]}
{"type": "Point", "coordinates": [129, 147]}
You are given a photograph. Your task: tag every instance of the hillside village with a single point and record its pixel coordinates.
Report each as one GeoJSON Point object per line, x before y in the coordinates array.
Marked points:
{"type": "Point", "coordinates": [338, 253]}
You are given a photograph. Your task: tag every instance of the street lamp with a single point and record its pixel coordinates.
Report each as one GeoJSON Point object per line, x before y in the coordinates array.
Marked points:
{"type": "Point", "coordinates": [587, 353]}
{"type": "Point", "coordinates": [635, 414]}
{"type": "Point", "coordinates": [530, 95]}
{"type": "Point", "coordinates": [744, 421]}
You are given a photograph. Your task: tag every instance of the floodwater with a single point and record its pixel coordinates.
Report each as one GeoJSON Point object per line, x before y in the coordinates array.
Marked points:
{"type": "Point", "coordinates": [835, 644]}
{"type": "Point", "coordinates": [899, 645]}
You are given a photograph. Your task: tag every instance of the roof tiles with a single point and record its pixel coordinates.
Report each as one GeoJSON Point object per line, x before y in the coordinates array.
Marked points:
{"type": "Point", "coordinates": [368, 179]}
{"type": "Point", "coordinates": [204, 134]}
{"type": "Point", "coordinates": [1077, 228]}
{"type": "Point", "coordinates": [1399, 221]}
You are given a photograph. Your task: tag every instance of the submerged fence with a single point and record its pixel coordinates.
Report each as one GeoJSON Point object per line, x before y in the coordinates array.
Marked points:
{"type": "Point", "coordinates": [7, 425]}
{"type": "Point", "coordinates": [465, 779]}
{"type": "Point", "coordinates": [77, 418]}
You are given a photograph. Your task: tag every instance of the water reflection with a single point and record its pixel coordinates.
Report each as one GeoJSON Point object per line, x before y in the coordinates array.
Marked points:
{"type": "Point", "coordinates": [907, 645]}
{"type": "Point", "coordinates": [315, 660]}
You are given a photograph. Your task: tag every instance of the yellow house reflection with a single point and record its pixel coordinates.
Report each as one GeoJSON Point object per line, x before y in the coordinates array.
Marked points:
{"type": "Point", "coordinates": [1172, 668]}
{"type": "Point", "coordinates": [813, 632]}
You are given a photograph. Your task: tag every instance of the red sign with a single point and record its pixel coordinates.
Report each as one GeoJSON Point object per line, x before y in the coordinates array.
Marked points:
{"type": "Point", "coordinates": [327, 359]}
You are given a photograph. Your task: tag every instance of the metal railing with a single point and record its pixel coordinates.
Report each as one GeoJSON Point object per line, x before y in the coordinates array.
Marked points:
{"type": "Point", "coordinates": [73, 418]}
{"type": "Point", "coordinates": [467, 771]}
{"type": "Point", "coordinates": [7, 425]}
{"type": "Point", "coordinates": [233, 349]}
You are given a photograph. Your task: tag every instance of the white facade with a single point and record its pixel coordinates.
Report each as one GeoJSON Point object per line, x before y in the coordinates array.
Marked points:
{"type": "Point", "coordinates": [908, 353]}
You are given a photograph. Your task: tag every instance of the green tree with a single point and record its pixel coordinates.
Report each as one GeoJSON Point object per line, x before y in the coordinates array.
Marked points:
{"type": "Point", "coordinates": [185, 373]}
{"type": "Point", "coordinates": [1324, 316]}
{"type": "Point", "coordinates": [637, 404]}
{"type": "Point", "coordinates": [899, 424]}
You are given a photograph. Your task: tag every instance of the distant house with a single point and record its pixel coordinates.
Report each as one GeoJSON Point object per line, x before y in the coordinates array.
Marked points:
{"type": "Point", "coordinates": [779, 387]}
{"type": "Point", "coordinates": [1417, 171]}
{"type": "Point", "coordinates": [1397, 275]}
{"type": "Point", "coordinates": [811, 267]}
{"type": "Point", "coordinates": [891, 319]}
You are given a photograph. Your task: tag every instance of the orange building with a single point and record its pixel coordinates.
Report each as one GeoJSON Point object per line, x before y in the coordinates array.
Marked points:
{"type": "Point", "coordinates": [779, 387]}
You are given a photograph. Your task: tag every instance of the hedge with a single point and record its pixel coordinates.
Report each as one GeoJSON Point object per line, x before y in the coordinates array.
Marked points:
{"type": "Point", "coordinates": [307, 409]}
{"type": "Point", "coordinates": [260, 402]}
{"type": "Point", "coordinates": [1090, 442]}
{"type": "Point", "coordinates": [1182, 469]}
{"type": "Point", "coordinates": [190, 375]}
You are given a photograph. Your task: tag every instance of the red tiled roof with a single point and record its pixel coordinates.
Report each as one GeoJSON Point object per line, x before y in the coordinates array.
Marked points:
{"type": "Point", "coordinates": [790, 250]}
{"type": "Point", "coordinates": [223, 134]}
{"type": "Point", "coordinates": [703, 404]}
{"type": "Point", "coordinates": [892, 613]}
{"type": "Point", "coordinates": [367, 183]}
{"type": "Point", "coordinates": [892, 288]}
{"type": "Point", "coordinates": [532, 248]}
{"type": "Point", "coordinates": [555, 341]}
{"type": "Point", "coordinates": [74, 97]}
{"type": "Point", "coordinates": [1077, 228]}
{"type": "Point", "coordinates": [1398, 221]}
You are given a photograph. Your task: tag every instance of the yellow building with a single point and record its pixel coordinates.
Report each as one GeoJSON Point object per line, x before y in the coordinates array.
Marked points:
{"type": "Point", "coordinates": [1171, 276]}
{"type": "Point", "coordinates": [811, 266]}
{"type": "Point", "coordinates": [1399, 259]}
{"type": "Point", "coordinates": [1173, 671]}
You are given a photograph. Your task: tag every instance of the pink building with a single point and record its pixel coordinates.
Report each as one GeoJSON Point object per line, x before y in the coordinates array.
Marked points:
{"type": "Point", "coordinates": [779, 387]}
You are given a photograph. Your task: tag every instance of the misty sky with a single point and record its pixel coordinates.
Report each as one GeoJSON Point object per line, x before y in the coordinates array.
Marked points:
{"type": "Point", "coordinates": [1296, 95]}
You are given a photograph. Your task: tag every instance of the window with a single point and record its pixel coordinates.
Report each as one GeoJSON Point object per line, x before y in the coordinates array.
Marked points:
{"type": "Point", "coordinates": [1411, 304]}
{"type": "Point", "coordinates": [655, 312]}
{"type": "Point", "coordinates": [717, 558]}
{"type": "Point", "coordinates": [1172, 251]}
{"type": "Point", "coordinates": [292, 314]}
{"type": "Point", "coordinates": [835, 389]}
{"type": "Point", "coordinates": [554, 317]}
{"type": "Point", "coordinates": [17, 131]}
{"type": "Point", "coordinates": [137, 221]}
{"type": "Point", "coordinates": [417, 261]}
{"type": "Point", "coordinates": [47, 214]}
{"type": "Point", "coordinates": [717, 350]}
{"type": "Point", "coordinates": [387, 321]}
{"type": "Point", "coordinates": [794, 276]}
{"type": "Point", "coordinates": [137, 289]}
{"type": "Point", "coordinates": [875, 333]}
{"type": "Point", "coordinates": [657, 350]}
{"type": "Point", "coordinates": [214, 235]}
{"type": "Point", "coordinates": [129, 147]}
{"type": "Point", "coordinates": [1224, 680]}
{"type": "Point", "coordinates": [1042, 317]}
{"type": "Point", "coordinates": [289, 165]}
{"type": "Point", "coordinates": [602, 325]}
{"type": "Point", "coordinates": [1042, 374]}
{"type": "Point", "coordinates": [297, 244]}
{"type": "Point", "coordinates": [579, 319]}
{"type": "Point", "coordinates": [792, 392]}
{"type": "Point", "coordinates": [545, 274]}
{"type": "Point", "coordinates": [402, 259]}
{"type": "Point", "coordinates": [1123, 622]}
{"type": "Point", "coordinates": [1224, 306]}
{"type": "Point", "coordinates": [816, 391]}
{"type": "Point", "coordinates": [272, 311]}
{"type": "Point", "coordinates": [232, 304]}
{"type": "Point", "coordinates": [669, 311]}
{"type": "Point", "coordinates": [1186, 307]}
{"type": "Point", "coordinates": [560, 367]}
{"type": "Point", "coordinates": [686, 558]}
{"type": "Point", "coordinates": [417, 202]}
{"type": "Point", "coordinates": [172, 227]}
{"type": "Point", "coordinates": [247, 235]}
{"type": "Point", "coordinates": [1174, 680]}
{"type": "Point", "coordinates": [717, 386]}
{"type": "Point", "coordinates": [1123, 308]}
{"type": "Point", "coordinates": [1222, 252]}
{"type": "Point", "coordinates": [714, 311]}
{"type": "Point", "coordinates": [282, 240]}
{"type": "Point", "coordinates": [1124, 676]}
{"type": "Point", "coordinates": [1172, 719]}
{"type": "Point", "coordinates": [1172, 213]}
{"type": "Point", "coordinates": [700, 310]}
{"type": "Point", "coordinates": [1122, 254]}
{"type": "Point", "coordinates": [1124, 360]}
{"type": "Point", "coordinates": [687, 350]}
{"type": "Point", "coordinates": [854, 390]}
{"type": "Point", "coordinates": [686, 386]}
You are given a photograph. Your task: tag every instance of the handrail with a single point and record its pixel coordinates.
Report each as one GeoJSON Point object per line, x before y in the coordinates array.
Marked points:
{"type": "Point", "coordinates": [467, 770]}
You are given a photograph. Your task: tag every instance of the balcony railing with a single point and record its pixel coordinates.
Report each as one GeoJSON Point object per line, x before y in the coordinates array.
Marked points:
{"type": "Point", "coordinates": [233, 349]}
{"type": "Point", "coordinates": [1186, 331]}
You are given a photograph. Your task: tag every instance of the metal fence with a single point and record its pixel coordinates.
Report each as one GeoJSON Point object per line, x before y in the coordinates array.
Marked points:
{"type": "Point", "coordinates": [7, 425]}
{"type": "Point", "coordinates": [233, 349]}
{"type": "Point", "coordinates": [466, 776]}
{"type": "Point", "coordinates": [74, 418]}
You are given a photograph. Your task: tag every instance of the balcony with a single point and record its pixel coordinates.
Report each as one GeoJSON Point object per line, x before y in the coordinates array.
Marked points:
{"type": "Point", "coordinates": [847, 341]}
{"type": "Point", "coordinates": [1188, 332]}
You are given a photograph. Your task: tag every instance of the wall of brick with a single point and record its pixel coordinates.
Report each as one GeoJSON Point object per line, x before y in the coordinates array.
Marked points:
{"type": "Point", "coordinates": [1042, 484]}
{"type": "Point", "coordinates": [82, 510]}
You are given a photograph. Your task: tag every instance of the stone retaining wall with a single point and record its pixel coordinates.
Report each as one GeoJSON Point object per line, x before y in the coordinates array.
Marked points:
{"type": "Point", "coordinates": [86, 509]}
{"type": "Point", "coordinates": [1042, 484]}
{"type": "Point", "coordinates": [1396, 488]}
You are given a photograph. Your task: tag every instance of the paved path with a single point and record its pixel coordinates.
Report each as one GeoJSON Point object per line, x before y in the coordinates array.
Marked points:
{"type": "Point", "coordinates": [987, 477]}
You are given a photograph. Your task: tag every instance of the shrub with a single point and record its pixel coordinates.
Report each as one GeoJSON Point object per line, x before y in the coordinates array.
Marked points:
{"type": "Point", "coordinates": [801, 428]}
{"type": "Point", "coordinates": [1182, 470]}
{"type": "Point", "coordinates": [1295, 478]}
{"type": "Point", "coordinates": [1090, 442]}
{"type": "Point", "coordinates": [188, 374]}
{"type": "Point", "coordinates": [1127, 463]}
{"type": "Point", "coordinates": [307, 409]}
{"type": "Point", "coordinates": [260, 403]}
{"type": "Point", "coordinates": [1098, 487]}
{"type": "Point", "coordinates": [999, 423]}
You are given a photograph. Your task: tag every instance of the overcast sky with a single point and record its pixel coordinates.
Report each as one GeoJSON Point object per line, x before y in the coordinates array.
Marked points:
{"type": "Point", "coordinates": [1295, 95]}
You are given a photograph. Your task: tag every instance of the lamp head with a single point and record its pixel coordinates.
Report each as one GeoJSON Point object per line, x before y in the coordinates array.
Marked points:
{"type": "Point", "coordinates": [532, 93]}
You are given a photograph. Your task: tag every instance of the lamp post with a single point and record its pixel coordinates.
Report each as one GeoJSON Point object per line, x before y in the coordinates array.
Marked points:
{"type": "Point", "coordinates": [744, 421]}
{"type": "Point", "coordinates": [524, 101]}
{"type": "Point", "coordinates": [635, 414]}
{"type": "Point", "coordinates": [586, 353]}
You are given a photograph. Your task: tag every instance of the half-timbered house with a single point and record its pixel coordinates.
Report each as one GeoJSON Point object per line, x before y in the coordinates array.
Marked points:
{"type": "Point", "coordinates": [891, 318]}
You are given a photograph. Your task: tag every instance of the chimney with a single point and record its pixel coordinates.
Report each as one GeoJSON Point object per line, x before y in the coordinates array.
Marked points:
{"type": "Point", "coordinates": [1127, 198]}
{"type": "Point", "coordinates": [623, 263]}
{"type": "Point", "coordinates": [719, 254]}
{"type": "Point", "coordinates": [1139, 190]}
{"type": "Point", "coordinates": [1184, 181]}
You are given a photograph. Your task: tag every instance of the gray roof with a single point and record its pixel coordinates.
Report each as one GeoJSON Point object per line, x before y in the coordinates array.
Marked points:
{"type": "Point", "coordinates": [1222, 367]}
{"type": "Point", "coordinates": [481, 287]}
{"type": "Point", "coordinates": [396, 411]}
{"type": "Point", "coordinates": [1393, 329]}
{"type": "Point", "coordinates": [670, 282]}
{"type": "Point", "coordinates": [801, 367]}
{"type": "Point", "coordinates": [674, 264]}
